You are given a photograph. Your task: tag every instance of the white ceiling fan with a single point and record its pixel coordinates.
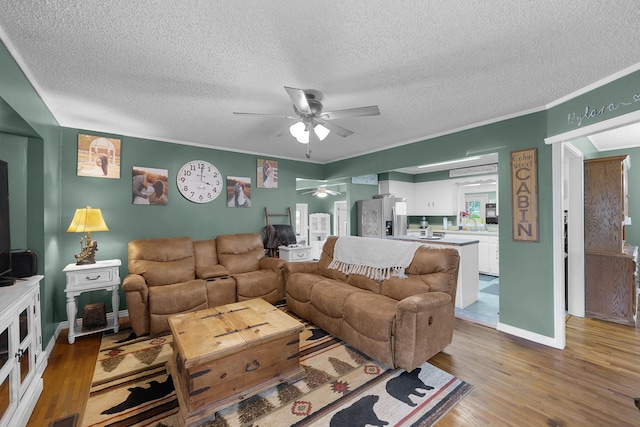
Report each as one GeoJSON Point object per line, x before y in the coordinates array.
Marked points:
{"type": "Point", "coordinates": [310, 116]}
{"type": "Point", "coordinates": [322, 192]}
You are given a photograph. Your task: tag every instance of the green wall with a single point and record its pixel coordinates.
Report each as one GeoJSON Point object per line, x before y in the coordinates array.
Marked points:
{"type": "Point", "coordinates": [179, 217]}
{"type": "Point", "coordinates": [24, 114]}
{"type": "Point", "coordinates": [614, 99]}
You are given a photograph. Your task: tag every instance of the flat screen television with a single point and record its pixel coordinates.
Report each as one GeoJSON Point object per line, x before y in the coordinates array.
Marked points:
{"type": "Point", "coordinates": [5, 234]}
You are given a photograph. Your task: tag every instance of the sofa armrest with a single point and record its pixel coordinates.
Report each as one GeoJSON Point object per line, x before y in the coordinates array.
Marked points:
{"type": "Point", "coordinates": [423, 302]}
{"type": "Point", "coordinates": [423, 328]}
{"type": "Point", "coordinates": [136, 283]}
{"type": "Point", "coordinates": [137, 294]}
{"type": "Point", "coordinates": [212, 271]}
{"type": "Point", "coordinates": [275, 264]}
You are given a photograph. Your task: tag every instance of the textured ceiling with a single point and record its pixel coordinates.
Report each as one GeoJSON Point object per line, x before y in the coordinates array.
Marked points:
{"type": "Point", "coordinates": [176, 70]}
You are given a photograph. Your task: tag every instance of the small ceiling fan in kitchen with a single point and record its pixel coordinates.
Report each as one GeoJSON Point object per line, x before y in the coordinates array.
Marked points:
{"type": "Point", "coordinates": [312, 122]}
{"type": "Point", "coordinates": [322, 192]}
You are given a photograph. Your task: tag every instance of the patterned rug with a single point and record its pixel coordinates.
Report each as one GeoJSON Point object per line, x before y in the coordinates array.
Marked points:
{"type": "Point", "coordinates": [343, 387]}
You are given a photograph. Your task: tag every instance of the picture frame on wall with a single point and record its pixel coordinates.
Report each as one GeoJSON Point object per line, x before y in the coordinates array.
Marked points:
{"type": "Point", "coordinates": [149, 186]}
{"type": "Point", "coordinates": [98, 156]}
{"type": "Point", "coordinates": [238, 192]}
{"type": "Point", "coordinates": [267, 173]}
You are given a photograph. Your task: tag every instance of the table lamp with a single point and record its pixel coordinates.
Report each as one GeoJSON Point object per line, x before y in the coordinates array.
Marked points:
{"type": "Point", "coordinates": [85, 221]}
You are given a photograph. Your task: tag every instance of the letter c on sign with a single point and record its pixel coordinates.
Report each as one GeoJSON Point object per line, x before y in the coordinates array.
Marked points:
{"type": "Point", "coordinates": [522, 177]}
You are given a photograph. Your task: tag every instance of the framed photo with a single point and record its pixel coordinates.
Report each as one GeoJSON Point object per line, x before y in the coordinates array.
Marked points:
{"type": "Point", "coordinates": [149, 186]}
{"type": "Point", "coordinates": [98, 156]}
{"type": "Point", "coordinates": [238, 192]}
{"type": "Point", "coordinates": [267, 174]}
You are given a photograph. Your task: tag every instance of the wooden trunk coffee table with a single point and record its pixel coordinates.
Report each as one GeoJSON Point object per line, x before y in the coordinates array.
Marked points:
{"type": "Point", "coordinates": [226, 354]}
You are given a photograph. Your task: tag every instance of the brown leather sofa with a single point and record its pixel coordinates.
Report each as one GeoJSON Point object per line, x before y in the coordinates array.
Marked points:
{"type": "Point", "coordinates": [176, 275]}
{"type": "Point", "coordinates": [401, 322]}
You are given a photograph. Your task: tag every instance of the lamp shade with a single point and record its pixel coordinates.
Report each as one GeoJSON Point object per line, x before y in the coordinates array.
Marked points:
{"type": "Point", "coordinates": [299, 132]}
{"type": "Point", "coordinates": [87, 220]}
{"type": "Point", "coordinates": [321, 131]}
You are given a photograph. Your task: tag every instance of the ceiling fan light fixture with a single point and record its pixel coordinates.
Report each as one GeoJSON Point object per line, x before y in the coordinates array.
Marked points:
{"type": "Point", "coordinates": [299, 132]}
{"type": "Point", "coordinates": [321, 131]}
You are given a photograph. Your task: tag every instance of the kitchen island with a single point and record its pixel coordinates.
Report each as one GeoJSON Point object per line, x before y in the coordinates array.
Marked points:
{"type": "Point", "coordinates": [467, 287]}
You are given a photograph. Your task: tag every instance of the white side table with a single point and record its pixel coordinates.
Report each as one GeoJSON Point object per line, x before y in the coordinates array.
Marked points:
{"type": "Point", "coordinates": [295, 253]}
{"type": "Point", "coordinates": [92, 277]}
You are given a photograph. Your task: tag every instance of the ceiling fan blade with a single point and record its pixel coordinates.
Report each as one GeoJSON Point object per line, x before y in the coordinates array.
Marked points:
{"type": "Point", "coordinates": [299, 99]}
{"type": "Point", "coordinates": [333, 193]}
{"type": "Point", "coordinates": [372, 110]}
{"type": "Point", "coordinates": [335, 128]}
{"type": "Point", "coordinates": [309, 192]}
{"type": "Point", "coordinates": [280, 116]}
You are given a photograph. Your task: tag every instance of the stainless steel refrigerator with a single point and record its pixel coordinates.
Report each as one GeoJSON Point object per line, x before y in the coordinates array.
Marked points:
{"type": "Point", "coordinates": [384, 215]}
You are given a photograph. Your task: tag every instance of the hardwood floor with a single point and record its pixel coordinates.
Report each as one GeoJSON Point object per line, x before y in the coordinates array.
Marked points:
{"type": "Point", "coordinates": [593, 382]}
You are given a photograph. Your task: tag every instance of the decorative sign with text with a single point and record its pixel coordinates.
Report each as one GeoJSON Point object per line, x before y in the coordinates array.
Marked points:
{"type": "Point", "coordinates": [524, 194]}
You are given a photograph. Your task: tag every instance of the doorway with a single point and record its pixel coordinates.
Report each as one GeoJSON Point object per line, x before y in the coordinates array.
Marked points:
{"type": "Point", "coordinates": [302, 222]}
{"type": "Point", "coordinates": [568, 178]}
{"type": "Point", "coordinates": [340, 218]}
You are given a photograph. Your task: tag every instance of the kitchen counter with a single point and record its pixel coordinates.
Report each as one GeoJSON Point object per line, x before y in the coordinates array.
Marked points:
{"type": "Point", "coordinates": [468, 275]}
{"type": "Point", "coordinates": [467, 232]}
{"type": "Point", "coordinates": [451, 241]}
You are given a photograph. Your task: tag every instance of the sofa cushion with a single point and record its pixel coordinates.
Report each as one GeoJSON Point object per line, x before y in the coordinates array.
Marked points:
{"type": "Point", "coordinates": [206, 258]}
{"type": "Point", "coordinates": [258, 284]}
{"type": "Point", "coordinates": [240, 253]}
{"type": "Point", "coordinates": [329, 296]}
{"type": "Point", "coordinates": [162, 261]}
{"type": "Point", "coordinates": [168, 300]}
{"type": "Point", "coordinates": [177, 298]}
{"type": "Point", "coordinates": [371, 315]}
{"type": "Point", "coordinates": [325, 259]}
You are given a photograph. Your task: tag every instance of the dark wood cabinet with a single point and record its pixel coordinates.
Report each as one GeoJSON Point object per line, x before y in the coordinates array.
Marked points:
{"type": "Point", "coordinates": [610, 264]}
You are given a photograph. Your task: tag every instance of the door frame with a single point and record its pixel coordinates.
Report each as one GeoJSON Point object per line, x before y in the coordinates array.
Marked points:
{"type": "Point", "coordinates": [303, 208]}
{"type": "Point", "coordinates": [559, 153]}
{"type": "Point", "coordinates": [337, 219]}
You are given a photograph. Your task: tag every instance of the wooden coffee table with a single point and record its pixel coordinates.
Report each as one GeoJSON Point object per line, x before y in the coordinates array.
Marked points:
{"type": "Point", "coordinates": [226, 354]}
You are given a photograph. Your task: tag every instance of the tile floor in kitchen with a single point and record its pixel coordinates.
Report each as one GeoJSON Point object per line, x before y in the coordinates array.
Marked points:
{"type": "Point", "coordinates": [485, 310]}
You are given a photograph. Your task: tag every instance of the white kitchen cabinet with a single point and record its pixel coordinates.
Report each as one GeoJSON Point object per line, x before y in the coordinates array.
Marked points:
{"type": "Point", "coordinates": [483, 256]}
{"type": "Point", "coordinates": [400, 189]}
{"type": "Point", "coordinates": [488, 251]}
{"type": "Point", "coordinates": [436, 197]}
{"type": "Point", "coordinates": [494, 256]}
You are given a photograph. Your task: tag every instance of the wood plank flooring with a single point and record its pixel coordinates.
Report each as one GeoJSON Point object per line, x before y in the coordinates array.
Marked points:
{"type": "Point", "coordinates": [593, 382]}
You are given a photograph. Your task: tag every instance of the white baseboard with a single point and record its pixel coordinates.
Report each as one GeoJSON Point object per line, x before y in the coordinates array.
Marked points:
{"type": "Point", "coordinates": [531, 336]}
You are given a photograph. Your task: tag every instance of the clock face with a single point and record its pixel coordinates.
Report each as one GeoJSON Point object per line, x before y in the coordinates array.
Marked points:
{"type": "Point", "coordinates": [199, 181]}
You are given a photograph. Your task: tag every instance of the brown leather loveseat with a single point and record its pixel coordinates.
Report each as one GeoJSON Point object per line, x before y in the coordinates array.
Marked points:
{"type": "Point", "coordinates": [175, 275]}
{"type": "Point", "coordinates": [401, 322]}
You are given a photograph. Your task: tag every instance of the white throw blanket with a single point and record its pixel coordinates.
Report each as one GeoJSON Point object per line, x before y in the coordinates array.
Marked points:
{"type": "Point", "coordinates": [378, 259]}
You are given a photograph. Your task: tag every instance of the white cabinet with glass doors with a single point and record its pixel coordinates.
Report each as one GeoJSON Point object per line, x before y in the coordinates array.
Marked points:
{"type": "Point", "coordinates": [21, 359]}
{"type": "Point", "coordinates": [319, 230]}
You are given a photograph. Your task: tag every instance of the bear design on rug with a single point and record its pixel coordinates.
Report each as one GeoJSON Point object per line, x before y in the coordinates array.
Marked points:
{"type": "Point", "coordinates": [140, 395]}
{"type": "Point", "coordinates": [406, 384]}
{"type": "Point", "coordinates": [360, 414]}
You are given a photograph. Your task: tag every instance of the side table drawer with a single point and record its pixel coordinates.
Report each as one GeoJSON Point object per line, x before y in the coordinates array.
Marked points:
{"type": "Point", "coordinates": [300, 253]}
{"type": "Point", "coordinates": [90, 278]}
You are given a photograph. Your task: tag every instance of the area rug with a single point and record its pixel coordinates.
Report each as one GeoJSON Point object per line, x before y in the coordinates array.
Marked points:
{"type": "Point", "coordinates": [343, 387]}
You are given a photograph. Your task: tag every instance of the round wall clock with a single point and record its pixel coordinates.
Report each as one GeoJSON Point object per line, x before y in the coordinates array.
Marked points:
{"type": "Point", "coordinates": [199, 181]}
